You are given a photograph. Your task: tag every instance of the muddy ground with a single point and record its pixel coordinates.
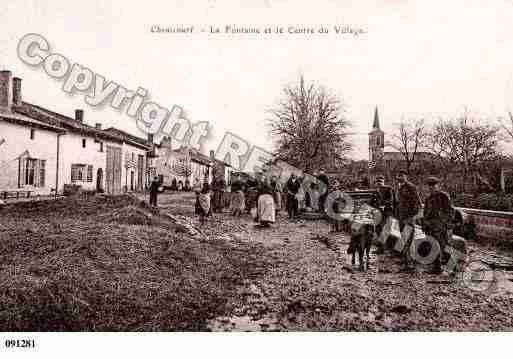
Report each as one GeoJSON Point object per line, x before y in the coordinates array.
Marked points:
{"type": "Point", "coordinates": [112, 264]}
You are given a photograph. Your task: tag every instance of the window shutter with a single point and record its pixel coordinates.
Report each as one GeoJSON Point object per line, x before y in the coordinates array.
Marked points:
{"type": "Point", "coordinates": [89, 173]}
{"type": "Point", "coordinates": [23, 165]}
{"type": "Point", "coordinates": [42, 173]}
{"type": "Point", "coordinates": [73, 173]}
{"type": "Point", "coordinates": [36, 164]}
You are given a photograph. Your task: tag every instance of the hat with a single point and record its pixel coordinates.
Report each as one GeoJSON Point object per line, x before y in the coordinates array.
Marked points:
{"type": "Point", "coordinates": [432, 180]}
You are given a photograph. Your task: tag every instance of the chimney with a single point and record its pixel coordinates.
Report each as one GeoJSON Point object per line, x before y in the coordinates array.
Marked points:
{"type": "Point", "coordinates": [98, 126]}
{"type": "Point", "coordinates": [16, 91]}
{"type": "Point", "coordinates": [79, 115]}
{"type": "Point", "coordinates": [5, 90]}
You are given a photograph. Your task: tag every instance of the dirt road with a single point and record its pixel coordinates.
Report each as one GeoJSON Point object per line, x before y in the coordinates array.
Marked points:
{"type": "Point", "coordinates": [112, 264]}
{"type": "Point", "coordinates": [311, 285]}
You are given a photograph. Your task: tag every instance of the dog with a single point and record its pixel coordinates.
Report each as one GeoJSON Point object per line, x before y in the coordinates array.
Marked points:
{"type": "Point", "coordinates": [362, 235]}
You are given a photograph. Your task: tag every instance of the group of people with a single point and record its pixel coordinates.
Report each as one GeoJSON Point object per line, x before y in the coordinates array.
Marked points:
{"type": "Point", "coordinates": [405, 204]}
{"type": "Point", "coordinates": [265, 197]}
{"type": "Point", "coordinates": [261, 197]}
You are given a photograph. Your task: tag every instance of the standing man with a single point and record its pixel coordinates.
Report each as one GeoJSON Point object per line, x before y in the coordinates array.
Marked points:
{"type": "Point", "coordinates": [438, 219]}
{"type": "Point", "coordinates": [323, 188]}
{"type": "Point", "coordinates": [197, 190]}
{"type": "Point", "coordinates": [408, 207]}
{"type": "Point", "coordinates": [154, 190]}
{"type": "Point", "coordinates": [277, 193]}
{"type": "Point", "coordinates": [383, 201]}
{"type": "Point", "coordinates": [292, 188]}
{"type": "Point", "coordinates": [219, 189]}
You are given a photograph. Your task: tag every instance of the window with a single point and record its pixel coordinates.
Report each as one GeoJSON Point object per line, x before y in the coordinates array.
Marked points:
{"type": "Point", "coordinates": [83, 143]}
{"type": "Point", "coordinates": [32, 133]}
{"type": "Point", "coordinates": [30, 173]}
{"type": "Point", "coordinates": [101, 146]}
{"type": "Point", "coordinates": [34, 172]}
{"type": "Point", "coordinates": [81, 173]}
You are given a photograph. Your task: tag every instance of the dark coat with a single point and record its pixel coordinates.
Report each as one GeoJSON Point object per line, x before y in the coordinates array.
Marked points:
{"type": "Point", "coordinates": [219, 184]}
{"type": "Point", "coordinates": [323, 178]}
{"type": "Point", "coordinates": [438, 212]}
{"type": "Point", "coordinates": [154, 186]}
{"type": "Point", "coordinates": [237, 186]}
{"type": "Point", "coordinates": [384, 200]}
{"type": "Point", "coordinates": [293, 187]}
{"type": "Point", "coordinates": [408, 201]}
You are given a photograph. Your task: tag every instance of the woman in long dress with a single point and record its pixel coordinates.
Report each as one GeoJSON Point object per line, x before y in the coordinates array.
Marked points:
{"type": "Point", "coordinates": [265, 207]}
{"type": "Point", "coordinates": [218, 196]}
{"type": "Point", "coordinates": [237, 203]}
{"type": "Point", "coordinates": [197, 190]}
{"type": "Point", "coordinates": [277, 193]}
{"type": "Point", "coordinates": [204, 203]}
{"type": "Point", "coordinates": [300, 195]}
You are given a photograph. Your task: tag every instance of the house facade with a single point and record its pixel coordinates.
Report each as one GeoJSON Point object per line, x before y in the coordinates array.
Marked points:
{"type": "Point", "coordinates": [135, 152]}
{"type": "Point", "coordinates": [28, 154]}
{"type": "Point", "coordinates": [220, 169]}
{"type": "Point", "coordinates": [182, 164]}
{"type": "Point", "coordinates": [44, 151]}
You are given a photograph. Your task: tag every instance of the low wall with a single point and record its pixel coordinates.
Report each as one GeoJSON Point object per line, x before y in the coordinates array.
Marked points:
{"type": "Point", "coordinates": [490, 225]}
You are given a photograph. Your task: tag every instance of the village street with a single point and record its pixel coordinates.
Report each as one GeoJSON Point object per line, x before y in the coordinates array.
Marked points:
{"type": "Point", "coordinates": [111, 263]}
{"type": "Point", "coordinates": [307, 282]}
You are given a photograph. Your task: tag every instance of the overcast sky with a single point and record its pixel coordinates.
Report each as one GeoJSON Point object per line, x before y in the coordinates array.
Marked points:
{"type": "Point", "coordinates": [417, 59]}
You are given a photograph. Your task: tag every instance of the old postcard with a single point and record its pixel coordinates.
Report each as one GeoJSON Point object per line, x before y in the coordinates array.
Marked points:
{"type": "Point", "coordinates": [259, 166]}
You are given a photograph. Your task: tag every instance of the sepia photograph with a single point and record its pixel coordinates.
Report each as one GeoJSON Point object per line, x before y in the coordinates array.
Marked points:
{"type": "Point", "coordinates": [267, 171]}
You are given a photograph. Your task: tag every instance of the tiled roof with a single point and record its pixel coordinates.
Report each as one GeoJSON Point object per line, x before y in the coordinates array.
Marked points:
{"type": "Point", "coordinates": [129, 138]}
{"type": "Point", "coordinates": [27, 121]}
{"type": "Point", "coordinates": [70, 124]}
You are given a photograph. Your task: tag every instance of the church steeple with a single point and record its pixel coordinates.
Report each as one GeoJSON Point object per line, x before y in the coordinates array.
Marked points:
{"type": "Point", "coordinates": [376, 118]}
{"type": "Point", "coordinates": [376, 139]}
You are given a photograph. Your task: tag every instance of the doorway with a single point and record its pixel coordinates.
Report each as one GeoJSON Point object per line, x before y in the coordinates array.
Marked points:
{"type": "Point", "coordinates": [99, 180]}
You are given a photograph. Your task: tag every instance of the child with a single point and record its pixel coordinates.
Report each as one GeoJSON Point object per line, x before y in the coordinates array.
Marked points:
{"type": "Point", "coordinates": [204, 203]}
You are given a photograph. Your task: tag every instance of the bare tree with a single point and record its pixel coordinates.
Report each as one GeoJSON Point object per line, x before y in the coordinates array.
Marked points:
{"type": "Point", "coordinates": [466, 145]}
{"type": "Point", "coordinates": [466, 141]}
{"type": "Point", "coordinates": [409, 140]}
{"type": "Point", "coordinates": [443, 144]}
{"type": "Point", "coordinates": [310, 129]}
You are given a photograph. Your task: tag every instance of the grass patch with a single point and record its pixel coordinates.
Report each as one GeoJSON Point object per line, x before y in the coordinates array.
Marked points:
{"type": "Point", "coordinates": [108, 264]}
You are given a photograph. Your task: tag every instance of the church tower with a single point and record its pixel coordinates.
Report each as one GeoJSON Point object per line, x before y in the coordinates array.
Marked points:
{"type": "Point", "coordinates": [376, 140]}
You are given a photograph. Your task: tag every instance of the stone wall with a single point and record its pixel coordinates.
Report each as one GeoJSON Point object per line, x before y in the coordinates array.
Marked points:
{"type": "Point", "coordinates": [490, 225]}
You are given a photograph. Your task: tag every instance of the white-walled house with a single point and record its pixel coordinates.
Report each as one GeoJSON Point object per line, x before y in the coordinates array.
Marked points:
{"type": "Point", "coordinates": [28, 154]}
{"type": "Point", "coordinates": [135, 151]}
{"type": "Point", "coordinates": [57, 150]}
{"type": "Point", "coordinates": [105, 160]}
{"type": "Point", "coordinates": [182, 164]}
